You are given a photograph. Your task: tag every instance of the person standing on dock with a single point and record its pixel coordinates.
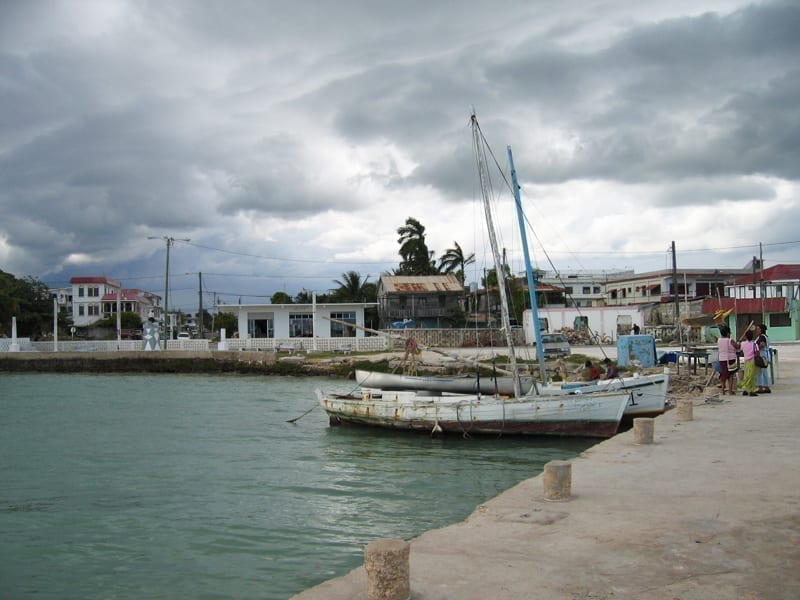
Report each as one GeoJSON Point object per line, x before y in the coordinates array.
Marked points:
{"type": "Point", "coordinates": [728, 359]}
{"type": "Point", "coordinates": [749, 351]}
{"type": "Point", "coordinates": [762, 374]}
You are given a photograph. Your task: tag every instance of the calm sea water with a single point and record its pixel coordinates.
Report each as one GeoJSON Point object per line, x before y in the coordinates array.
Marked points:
{"type": "Point", "coordinates": [197, 487]}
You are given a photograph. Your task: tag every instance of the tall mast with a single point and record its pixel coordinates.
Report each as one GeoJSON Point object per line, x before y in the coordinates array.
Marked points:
{"type": "Point", "coordinates": [483, 174]}
{"type": "Point", "coordinates": [528, 270]}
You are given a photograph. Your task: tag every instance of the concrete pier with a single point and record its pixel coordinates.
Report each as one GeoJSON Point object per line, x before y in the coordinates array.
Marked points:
{"type": "Point", "coordinates": [712, 510]}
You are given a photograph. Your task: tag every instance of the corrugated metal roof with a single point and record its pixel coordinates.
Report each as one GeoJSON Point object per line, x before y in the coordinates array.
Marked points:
{"type": "Point", "coordinates": [776, 273]}
{"type": "Point", "coordinates": [421, 283]}
{"type": "Point", "coordinates": [94, 280]}
{"type": "Point", "coordinates": [744, 305]}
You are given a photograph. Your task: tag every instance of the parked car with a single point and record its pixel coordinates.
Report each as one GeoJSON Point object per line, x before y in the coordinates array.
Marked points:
{"type": "Point", "coordinates": [555, 344]}
{"type": "Point", "coordinates": [184, 335]}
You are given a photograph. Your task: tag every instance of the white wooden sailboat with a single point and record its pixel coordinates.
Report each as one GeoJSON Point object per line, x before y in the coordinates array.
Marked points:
{"type": "Point", "coordinates": [566, 413]}
{"type": "Point", "coordinates": [455, 384]}
{"type": "Point", "coordinates": [648, 393]}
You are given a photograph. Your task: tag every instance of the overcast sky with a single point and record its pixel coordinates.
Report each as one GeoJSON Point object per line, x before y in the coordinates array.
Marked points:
{"type": "Point", "coordinates": [289, 140]}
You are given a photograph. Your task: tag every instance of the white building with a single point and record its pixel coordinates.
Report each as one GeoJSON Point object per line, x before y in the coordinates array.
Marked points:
{"type": "Point", "coordinates": [582, 288]}
{"type": "Point", "coordinates": [300, 323]}
{"type": "Point", "coordinates": [95, 298]}
{"type": "Point", "coordinates": [605, 321]}
{"type": "Point", "coordinates": [87, 298]}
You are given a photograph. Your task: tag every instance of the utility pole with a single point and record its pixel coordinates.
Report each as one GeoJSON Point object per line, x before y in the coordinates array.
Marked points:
{"type": "Point", "coordinates": [169, 241]}
{"type": "Point", "coordinates": [200, 314]}
{"type": "Point", "coordinates": [675, 294]}
{"type": "Point", "coordinates": [763, 288]}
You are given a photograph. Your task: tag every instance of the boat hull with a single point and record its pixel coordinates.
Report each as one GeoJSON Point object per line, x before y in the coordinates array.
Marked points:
{"type": "Point", "coordinates": [454, 384]}
{"type": "Point", "coordinates": [596, 415]}
{"type": "Point", "coordinates": [648, 393]}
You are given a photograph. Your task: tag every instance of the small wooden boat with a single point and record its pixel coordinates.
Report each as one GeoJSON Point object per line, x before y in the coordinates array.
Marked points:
{"type": "Point", "coordinates": [590, 415]}
{"type": "Point", "coordinates": [648, 393]}
{"type": "Point", "coordinates": [456, 384]}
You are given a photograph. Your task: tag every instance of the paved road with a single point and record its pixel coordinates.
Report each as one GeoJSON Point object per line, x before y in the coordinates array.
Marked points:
{"type": "Point", "coordinates": [710, 510]}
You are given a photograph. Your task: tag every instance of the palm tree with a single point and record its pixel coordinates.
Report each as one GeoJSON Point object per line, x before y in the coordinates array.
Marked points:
{"type": "Point", "coordinates": [352, 288]}
{"type": "Point", "coordinates": [417, 259]}
{"type": "Point", "coordinates": [453, 260]}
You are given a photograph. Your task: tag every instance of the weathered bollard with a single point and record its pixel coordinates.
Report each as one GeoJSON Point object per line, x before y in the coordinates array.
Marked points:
{"type": "Point", "coordinates": [643, 429]}
{"type": "Point", "coordinates": [558, 480]}
{"type": "Point", "coordinates": [388, 570]}
{"type": "Point", "coordinates": [684, 410]}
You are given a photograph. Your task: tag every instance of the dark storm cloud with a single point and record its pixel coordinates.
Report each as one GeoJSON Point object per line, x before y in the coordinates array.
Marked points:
{"type": "Point", "coordinates": [121, 120]}
{"type": "Point", "coordinates": [708, 95]}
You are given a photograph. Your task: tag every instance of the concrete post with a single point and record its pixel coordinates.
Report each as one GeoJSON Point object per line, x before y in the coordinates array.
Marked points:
{"type": "Point", "coordinates": [643, 431]}
{"type": "Point", "coordinates": [388, 570]}
{"type": "Point", "coordinates": [558, 480]}
{"type": "Point", "coordinates": [223, 342]}
{"type": "Point", "coordinates": [14, 347]}
{"type": "Point", "coordinates": [684, 410]}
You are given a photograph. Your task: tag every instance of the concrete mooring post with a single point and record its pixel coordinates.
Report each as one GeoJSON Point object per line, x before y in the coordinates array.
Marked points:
{"type": "Point", "coordinates": [558, 480]}
{"type": "Point", "coordinates": [223, 342]}
{"type": "Point", "coordinates": [388, 570]}
{"type": "Point", "coordinates": [14, 344]}
{"type": "Point", "coordinates": [684, 410]}
{"type": "Point", "coordinates": [643, 429]}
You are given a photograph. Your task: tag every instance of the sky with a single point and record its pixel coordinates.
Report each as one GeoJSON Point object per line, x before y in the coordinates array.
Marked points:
{"type": "Point", "coordinates": [288, 141]}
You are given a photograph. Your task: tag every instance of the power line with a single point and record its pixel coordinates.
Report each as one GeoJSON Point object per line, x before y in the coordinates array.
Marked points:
{"type": "Point", "coordinates": [284, 259]}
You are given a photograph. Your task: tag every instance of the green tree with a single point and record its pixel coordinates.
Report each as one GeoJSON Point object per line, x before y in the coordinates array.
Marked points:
{"type": "Point", "coordinates": [454, 261]}
{"type": "Point", "coordinates": [128, 320]}
{"type": "Point", "coordinates": [281, 298]}
{"type": "Point", "coordinates": [351, 288]}
{"type": "Point", "coordinates": [28, 299]}
{"type": "Point", "coordinates": [516, 293]}
{"type": "Point", "coordinates": [416, 258]}
{"type": "Point", "coordinates": [303, 297]}
{"type": "Point", "coordinates": [227, 321]}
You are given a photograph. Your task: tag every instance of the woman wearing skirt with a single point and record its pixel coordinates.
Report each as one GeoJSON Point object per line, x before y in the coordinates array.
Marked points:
{"type": "Point", "coordinates": [749, 351]}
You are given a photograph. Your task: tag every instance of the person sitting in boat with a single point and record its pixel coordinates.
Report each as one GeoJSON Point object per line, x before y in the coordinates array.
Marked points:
{"type": "Point", "coordinates": [611, 369]}
{"type": "Point", "coordinates": [590, 372]}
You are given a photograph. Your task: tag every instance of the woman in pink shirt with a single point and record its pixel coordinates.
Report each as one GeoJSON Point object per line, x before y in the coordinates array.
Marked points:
{"type": "Point", "coordinates": [749, 351]}
{"type": "Point", "coordinates": [728, 364]}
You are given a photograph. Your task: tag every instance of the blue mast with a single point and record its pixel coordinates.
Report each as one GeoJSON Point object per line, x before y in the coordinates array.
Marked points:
{"type": "Point", "coordinates": [528, 270]}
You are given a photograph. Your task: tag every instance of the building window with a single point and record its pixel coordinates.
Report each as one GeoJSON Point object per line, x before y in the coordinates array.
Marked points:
{"type": "Point", "coordinates": [93, 292]}
{"type": "Point", "coordinates": [80, 292]}
{"type": "Point", "coordinates": [596, 289]}
{"type": "Point", "coordinates": [93, 310]}
{"type": "Point", "coordinates": [780, 320]}
{"type": "Point", "coordinates": [301, 325]}
{"type": "Point", "coordinates": [339, 330]}
{"type": "Point", "coordinates": [80, 310]}
{"type": "Point", "coordinates": [260, 328]}
{"type": "Point", "coordinates": [587, 289]}
{"type": "Point", "coordinates": [568, 290]}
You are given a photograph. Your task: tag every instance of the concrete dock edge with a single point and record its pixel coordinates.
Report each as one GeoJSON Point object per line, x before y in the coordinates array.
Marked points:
{"type": "Point", "coordinates": [710, 510]}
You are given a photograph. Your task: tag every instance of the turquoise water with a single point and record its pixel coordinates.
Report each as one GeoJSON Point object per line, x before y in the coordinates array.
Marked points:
{"type": "Point", "coordinates": [170, 486]}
